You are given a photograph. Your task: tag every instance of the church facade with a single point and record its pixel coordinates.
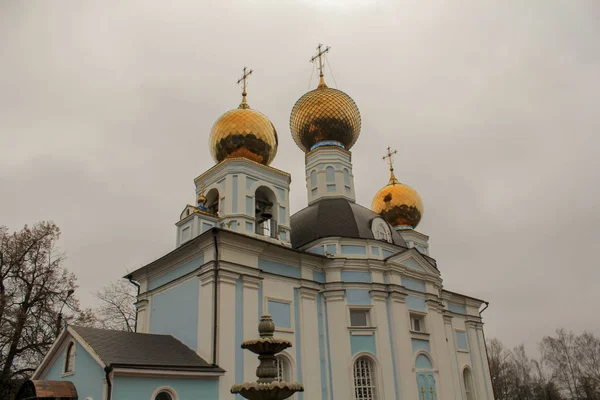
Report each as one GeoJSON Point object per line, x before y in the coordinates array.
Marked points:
{"type": "Point", "coordinates": [355, 289]}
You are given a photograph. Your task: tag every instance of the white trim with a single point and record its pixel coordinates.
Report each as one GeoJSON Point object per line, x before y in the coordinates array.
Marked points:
{"type": "Point", "coordinates": [49, 355]}
{"type": "Point", "coordinates": [166, 389]}
{"type": "Point", "coordinates": [162, 372]}
{"type": "Point", "coordinates": [64, 373]}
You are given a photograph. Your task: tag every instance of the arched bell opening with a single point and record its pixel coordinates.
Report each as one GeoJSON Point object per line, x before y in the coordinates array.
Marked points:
{"type": "Point", "coordinates": [212, 201]}
{"type": "Point", "coordinates": [265, 207]}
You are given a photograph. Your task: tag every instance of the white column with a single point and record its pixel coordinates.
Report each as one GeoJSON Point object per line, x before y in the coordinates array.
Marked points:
{"type": "Point", "coordinates": [439, 350]}
{"type": "Point", "coordinates": [383, 344]}
{"type": "Point", "coordinates": [451, 350]}
{"type": "Point", "coordinates": [404, 353]}
{"type": "Point", "coordinates": [227, 345]}
{"type": "Point", "coordinates": [143, 313]}
{"type": "Point", "coordinates": [206, 314]}
{"type": "Point", "coordinates": [309, 337]}
{"type": "Point", "coordinates": [250, 324]}
{"type": "Point", "coordinates": [339, 344]}
{"type": "Point", "coordinates": [475, 358]}
{"type": "Point", "coordinates": [487, 379]}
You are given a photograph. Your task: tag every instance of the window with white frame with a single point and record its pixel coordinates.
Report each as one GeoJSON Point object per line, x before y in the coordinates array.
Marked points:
{"type": "Point", "coordinates": [165, 394]}
{"type": "Point", "coordinates": [359, 317]}
{"type": "Point", "coordinates": [364, 379]}
{"type": "Point", "coordinates": [417, 322]}
{"type": "Point", "coordinates": [283, 369]}
{"type": "Point", "coordinates": [468, 381]}
{"type": "Point", "coordinates": [70, 358]}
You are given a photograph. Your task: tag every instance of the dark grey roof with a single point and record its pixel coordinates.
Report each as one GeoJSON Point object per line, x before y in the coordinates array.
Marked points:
{"type": "Point", "coordinates": [142, 350]}
{"type": "Point", "coordinates": [334, 217]}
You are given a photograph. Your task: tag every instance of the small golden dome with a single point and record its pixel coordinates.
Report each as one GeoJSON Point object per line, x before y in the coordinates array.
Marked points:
{"type": "Point", "coordinates": [398, 204]}
{"type": "Point", "coordinates": [244, 132]}
{"type": "Point", "coordinates": [327, 116]}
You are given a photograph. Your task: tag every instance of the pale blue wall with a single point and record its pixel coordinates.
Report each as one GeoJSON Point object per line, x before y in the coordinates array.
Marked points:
{"type": "Point", "coordinates": [136, 388]}
{"type": "Point", "coordinates": [234, 205]}
{"type": "Point", "coordinates": [279, 268]}
{"type": "Point", "coordinates": [317, 250]}
{"type": "Point", "coordinates": [413, 284]}
{"type": "Point", "coordinates": [175, 312]}
{"type": "Point", "coordinates": [331, 249]}
{"type": "Point", "coordinates": [387, 253]}
{"type": "Point", "coordinates": [423, 362]}
{"type": "Point", "coordinates": [355, 276]}
{"type": "Point", "coordinates": [418, 344]}
{"type": "Point", "coordinates": [88, 374]}
{"type": "Point", "coordinates": [461, 340]}
{"type": "Point", "coordinates": [415, 303]}
{"type": "Point", "coordinates": [358, 297]}
{"type": "Point", "coordinates": [457, 308]}
{"type": "Point", "coordinates": [319, 276]}
{"type": "Point", "coordinates": [281, 314]}
{"type": "Point", "coordinates": [353, 249]}
{"type": "Point", "coordinates": [360, 344]}
{"type": "Point", "coordinates": [413, 264]}
{"type": "Point", "coordinates": [176, 272]}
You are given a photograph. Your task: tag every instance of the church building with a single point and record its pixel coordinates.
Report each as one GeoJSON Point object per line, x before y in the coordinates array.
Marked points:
{"type": "Point", "coordinates": [357, 290]}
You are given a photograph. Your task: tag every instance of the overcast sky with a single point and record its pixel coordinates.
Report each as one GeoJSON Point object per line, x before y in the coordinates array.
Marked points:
{"type": "Point", "coordinates": [106, 108]}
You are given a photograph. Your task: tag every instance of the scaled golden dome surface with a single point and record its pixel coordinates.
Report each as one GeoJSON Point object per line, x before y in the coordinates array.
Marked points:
{"type": "Point", "coordinates": [398, 204]}
{"type": "Point", "coordinates": [325, 114]}
{"type": "Point", "coordinates": [243, 132]}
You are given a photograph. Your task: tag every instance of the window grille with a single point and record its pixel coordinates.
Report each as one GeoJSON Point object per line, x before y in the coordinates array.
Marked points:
{"type": "Point", "coordinates": [364, 381]}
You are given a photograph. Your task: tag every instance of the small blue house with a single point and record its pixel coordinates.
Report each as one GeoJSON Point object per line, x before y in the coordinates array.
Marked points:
{"type": "Point", "coordinates": [105, 364]}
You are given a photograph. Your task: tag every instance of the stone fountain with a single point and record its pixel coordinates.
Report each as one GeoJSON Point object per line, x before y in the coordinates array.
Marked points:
{"type": "Point", "coordinates": [267, 387]}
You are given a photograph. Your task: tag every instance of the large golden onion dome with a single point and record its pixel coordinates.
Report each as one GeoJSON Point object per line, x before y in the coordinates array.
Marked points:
{"type": "Point", "coordinates": [243, 132]}
{"type": "Point", "coordinates": [398, 204]}
{"type": "Point", "coordinates": [325, 116]}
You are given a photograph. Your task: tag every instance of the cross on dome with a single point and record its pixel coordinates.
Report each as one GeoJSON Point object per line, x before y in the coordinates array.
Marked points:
{"type": "Point", "coordinates": [320, 53]}
{"type": "Point", "coordinates": [244, 81]}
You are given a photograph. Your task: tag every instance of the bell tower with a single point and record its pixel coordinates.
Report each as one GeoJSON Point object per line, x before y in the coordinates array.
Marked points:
{"type": "Point", "coordinates": [241, 192]}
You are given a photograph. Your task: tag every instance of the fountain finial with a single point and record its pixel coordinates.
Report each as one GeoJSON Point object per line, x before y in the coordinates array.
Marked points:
{"type": "Point", "coordinates": [267, 387]}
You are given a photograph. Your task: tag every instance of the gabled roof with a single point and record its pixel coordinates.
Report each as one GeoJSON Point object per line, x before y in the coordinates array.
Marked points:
{"type": "Point", "coordinates": [142, 350]}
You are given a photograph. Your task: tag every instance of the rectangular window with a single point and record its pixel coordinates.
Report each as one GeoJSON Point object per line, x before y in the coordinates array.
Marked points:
{"type": "Point", "coordinates": [331, 187]}
{"type": "Point", "coordinates": [186, 234]}
{"type": "Point", "coordinates": [359, 317]}
{"type": "Point", "coordinates": [461, 340]}
{"type": "Point", "coordinates": [417, 323]}
{"type": "Point", "coordinates": [281, 313]}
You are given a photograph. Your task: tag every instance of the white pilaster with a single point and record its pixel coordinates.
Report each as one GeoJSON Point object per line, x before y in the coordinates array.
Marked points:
{"type": "Point", "coordinates": [339, 343]}
{"type": "Point", "coordinates": [383, 344]}
{"type": "Point", "coordinates": [404, 365]}
{"type": "Point", "coordinates": [309, 337]}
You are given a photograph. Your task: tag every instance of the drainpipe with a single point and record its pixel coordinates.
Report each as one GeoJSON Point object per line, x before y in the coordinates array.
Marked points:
{"type": "Point", "coordinates": [487, 358]}
{"type": "Point", "coordinates": [216, 297]}
{"type": "Point", "coordinates": [137, 285]}
{"type": "Point", "coordinates": [108, 370]}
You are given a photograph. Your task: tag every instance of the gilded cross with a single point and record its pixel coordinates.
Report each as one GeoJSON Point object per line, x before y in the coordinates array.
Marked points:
{"type": "Point", "coordinates": [244, 80]}
{"type": "Point", "coordinates": [320, 53]}
{"type": "Point", "coordinates": [422, 392]}
{"type": "Point", "coordinates": [389, 155]}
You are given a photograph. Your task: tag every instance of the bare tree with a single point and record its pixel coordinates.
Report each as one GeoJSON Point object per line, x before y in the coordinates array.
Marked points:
{"type": "Point", "coordinates": [560, 354]}
{"type": "Point", "coordinates": [501, 370]}
{"type": "Point", "coordinates": [34, 288]}
{"type": "Point", "coordinates": [117, 310]}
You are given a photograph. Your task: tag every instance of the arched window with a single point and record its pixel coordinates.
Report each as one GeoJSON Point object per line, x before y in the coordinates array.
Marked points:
{"type": "Point", "coordinates": [346, 177]}
{"type": "Point", "coordinates": [364, 379]}
{"type": "Point", "coordinates": [329, 174]}
{"type": "Point", "coordinates": [70, 358]}
{"type": "Point", "coordinates": [283, 369]}
{"type": "Point", "coordinates": [164, 393]}
{"type": "Point", "coordinates": [468, 381]}
{"type": "Point", "coordinates": [313, 178]}
{"type": "Point", "coordinates": [423, 362]}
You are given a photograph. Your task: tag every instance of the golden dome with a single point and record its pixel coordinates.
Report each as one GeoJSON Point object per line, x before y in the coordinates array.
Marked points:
{"type": "Point", "coordinates": [243, 132]}
{"type": "Point", "coordinates": [398, 204]}
{"type": "Point", "coordinates": [327, 116]}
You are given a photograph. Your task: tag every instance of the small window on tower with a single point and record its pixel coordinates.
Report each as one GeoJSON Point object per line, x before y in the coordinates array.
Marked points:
{"type": "Point", "coordinates": [417, 322]}
{"type": "Point", "coordinates": [359, 318]}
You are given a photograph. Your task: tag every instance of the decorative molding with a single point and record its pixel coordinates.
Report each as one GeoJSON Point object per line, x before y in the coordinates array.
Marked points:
{"type": "Point", "coordinates": [334, 295]}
